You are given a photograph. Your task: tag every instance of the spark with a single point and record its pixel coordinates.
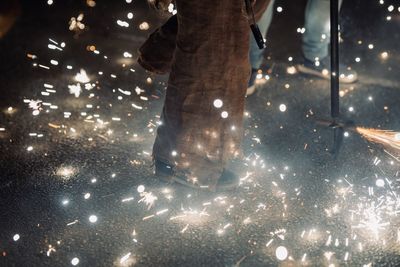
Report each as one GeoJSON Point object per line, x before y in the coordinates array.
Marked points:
{"type": "Point", "coordinates": [93, 218]}
{"type": "Point", "coordinates": [380, 183]}
{"type": "Point", "coordinates": [91, 3]}
{"type": "Point", "coordinates": [76, 24]}
{"type": "Point", "coordinates": [44, 67]}
{"type": "Point", "coordinates": [82, 77]}
{"type": "Point", "coordinates": [185, 228]}
{"type": "Point", "coordinates": [124, 92]}
{"type": "Point", "coordinates": [136, 106]}
{"type": "Point", "coordinates": [281, 253]}
{"type": "Point", "coordinates": [123, 23]}
{"type": "Point", "coordinates": [161, 211]}
{"type": "Point", "coordinates": [16, 237]}
{"type": "Point", "coordinates": [346, 256]}
{"type": "Point", "coordinates": [218, 103]}
{"type": "Point", "coordinates": [148, 217]}
{"type": "Point", "coordinates": [144, 26]}
{"type": "Point", "coordinates": [127, 199]}
{"type": "Point", "coordinates": [141, 188]}
{"type": "Point", "coordinates": [148, 198]}
{"type": "Point", "coordinates": [384, 137]}
{"type": "Point", "coordinates": [328, 255]}
{"type": "Point", "coordinates": [50, 250]}
{"type": "Point", "coordinates": [75, 261]}
{"type": "Point", "coordinates": [125, 258]}
{"type": "Point", "coordinates": [291, 70]}
{"type": "Point", "coordinates": [127, 55]}
{"type": "Point", "coordinates": [75, 89]}
{"type": "Point", "coordinates": [72, 223]}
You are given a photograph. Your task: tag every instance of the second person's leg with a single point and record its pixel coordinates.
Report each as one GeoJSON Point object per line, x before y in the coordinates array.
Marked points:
{"type": "Point", "coordinates": [316, 40]}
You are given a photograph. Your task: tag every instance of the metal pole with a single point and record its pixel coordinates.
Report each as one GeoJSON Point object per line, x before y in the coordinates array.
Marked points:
{"type": "Point", "coordinates": [334, 58]}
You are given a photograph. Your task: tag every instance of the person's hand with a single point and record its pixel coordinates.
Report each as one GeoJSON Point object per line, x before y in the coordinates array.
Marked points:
{"type": "Point", "coordinates": [160, 4]}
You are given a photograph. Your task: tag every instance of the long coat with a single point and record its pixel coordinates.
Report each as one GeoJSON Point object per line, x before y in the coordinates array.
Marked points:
{"type": "Point", "coordinates": [205, 48]}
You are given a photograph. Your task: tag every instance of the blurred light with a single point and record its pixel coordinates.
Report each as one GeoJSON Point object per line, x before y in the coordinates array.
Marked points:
{"type": "Point", "coordinates": [92, 218]}
{"type": "Point", "coordinates": [140, 188]}
{"type": "Point", "coordinates": [281, 253]}
{"type": "Point", "coordinates": [218, 103]}
{"type": "Point", "coordinates": [16, 237]}
{"type": "Point", "coordinates": [75, 261]}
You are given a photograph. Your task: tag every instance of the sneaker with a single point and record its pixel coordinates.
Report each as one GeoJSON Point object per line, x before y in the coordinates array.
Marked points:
{"type": "Point", "coordinates": [227, 181]}
{"type": "Point", "coordinates": [321, 69]}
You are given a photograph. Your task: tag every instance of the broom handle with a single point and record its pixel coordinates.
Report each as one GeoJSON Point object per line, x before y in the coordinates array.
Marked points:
{"type": "Point", "coordinates": [334, 10]}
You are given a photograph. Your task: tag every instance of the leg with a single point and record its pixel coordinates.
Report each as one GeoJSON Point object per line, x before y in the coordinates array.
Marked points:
{"type": "Point", "coordinates": [256, 54]}
{"type": "Point", "coordinates": [317, 34]}
{"type": "Point", "coordinates": [210, 62]}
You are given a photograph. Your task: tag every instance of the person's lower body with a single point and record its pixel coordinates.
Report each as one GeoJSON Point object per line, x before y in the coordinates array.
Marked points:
{"type": "Point", "coordinates": [208, 62]}
{"type": "Point", "coordinates": [315, 44]}
{"type": "Point", "coordinates": [316, 41]}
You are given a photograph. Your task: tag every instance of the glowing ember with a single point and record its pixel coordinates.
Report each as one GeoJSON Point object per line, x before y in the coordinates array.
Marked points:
{"type": "Point", "coordinates": [140, 188]}
{"type": "Point", "coordinates": [218, 103]}
{"type": "Point", "coordinates": [16, 237]}
{"type": "Point", "coordinates": [92, 218]}
{"type": "Point", "coordinates": [75, 261]}
{"type": "Point", "coordinates": [281, 253]}
{"type": "Point", "coordinates": [82, 77]}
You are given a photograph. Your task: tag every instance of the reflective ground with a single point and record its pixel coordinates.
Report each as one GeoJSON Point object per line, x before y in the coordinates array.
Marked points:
{"type": "Point", "coordinates": [77, 122]}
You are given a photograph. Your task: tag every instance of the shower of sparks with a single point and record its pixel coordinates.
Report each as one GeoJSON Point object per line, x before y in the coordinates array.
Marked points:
{"type": "Point", "coordinates": [385, 137]}
{"type": "Point", "coordinates": [269, 192]}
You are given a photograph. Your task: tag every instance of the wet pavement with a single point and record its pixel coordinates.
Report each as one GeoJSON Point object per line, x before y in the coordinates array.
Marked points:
{"type": "Point", "coordinates": [77, 122]}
